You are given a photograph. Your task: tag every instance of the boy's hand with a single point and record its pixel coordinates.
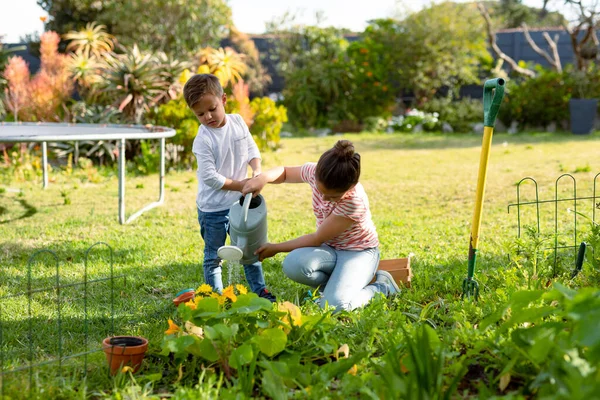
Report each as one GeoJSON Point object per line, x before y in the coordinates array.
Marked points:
{"type": "Point", "coordinates": [265, 251]}
{"type": "Point", "coordinates": [254, 186]}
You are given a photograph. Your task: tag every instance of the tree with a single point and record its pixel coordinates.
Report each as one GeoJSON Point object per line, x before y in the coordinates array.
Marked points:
{"type": "Point", "coordinates": [513, 14]}
{"type": "Point", "coordinates": [441, 45]}
{"type": "Point", "coordinates": [588, 18]}
{"type": "Point", "coordinates": [172, 26]}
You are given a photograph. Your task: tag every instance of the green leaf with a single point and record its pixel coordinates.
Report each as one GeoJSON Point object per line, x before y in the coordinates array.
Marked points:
{"type": "Point", "coordinates": [523, 298]}
{"type": "Point", "coordinates": [208, 350]}
{"type": "Point", "coordinates": [180, 344]}
{"type": "Point", "coordinates": [243, 355]}
{"type": "Point", "coordinates": [207, 304]}
{"type": "Point", "coordinates": [271, 341]}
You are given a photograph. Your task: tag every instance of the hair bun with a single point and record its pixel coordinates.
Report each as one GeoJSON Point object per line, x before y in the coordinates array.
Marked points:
{"type": "Point", "coordinates": [344, 149]}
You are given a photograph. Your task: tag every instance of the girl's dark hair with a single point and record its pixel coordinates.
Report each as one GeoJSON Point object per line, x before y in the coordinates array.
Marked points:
{"type": "Point", "coordinates": [339, 168]}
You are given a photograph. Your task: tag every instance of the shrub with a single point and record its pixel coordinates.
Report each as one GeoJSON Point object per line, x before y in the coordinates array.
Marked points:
{"type": "Point", "coordinates": [268, 120]}
{"type": "Point", "coordinates": [39, 98]}
{"type": "Point", "coordinates": [537, 101]}
{"type": "Point", "coordinates": [413, 118]}
{"type": "Point", "coordinates": [460, 114]}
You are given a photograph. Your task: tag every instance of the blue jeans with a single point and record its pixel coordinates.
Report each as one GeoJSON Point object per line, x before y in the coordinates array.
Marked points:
{"type": "Point", "coordinates": [343, 276]}
{"type": "Point", "coordinates": [214, 227]}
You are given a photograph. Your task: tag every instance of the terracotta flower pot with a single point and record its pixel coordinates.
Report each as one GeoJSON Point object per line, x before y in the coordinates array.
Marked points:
{"type": "Point", "coordinates": [184, 296]}
{"type": "Point", "coordinates": [123, 351]}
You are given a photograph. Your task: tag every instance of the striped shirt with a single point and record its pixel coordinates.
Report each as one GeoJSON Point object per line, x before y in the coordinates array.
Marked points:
{"type": "Point", "coordinates": [353, 205]}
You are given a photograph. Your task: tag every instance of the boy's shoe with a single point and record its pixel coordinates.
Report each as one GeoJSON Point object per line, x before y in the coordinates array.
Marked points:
{"type": "Point", "coordinates": [387, 279]}
{"type": "Point", "coordinates": [265, 294]}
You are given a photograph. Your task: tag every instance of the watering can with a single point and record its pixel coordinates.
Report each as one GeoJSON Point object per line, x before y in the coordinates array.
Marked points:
{"type": "Point", "coordinates": [247, 229]}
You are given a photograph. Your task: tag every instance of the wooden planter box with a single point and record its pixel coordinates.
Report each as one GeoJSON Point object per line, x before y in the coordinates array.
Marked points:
{"type": "Point", "coordinates": [399, 268]}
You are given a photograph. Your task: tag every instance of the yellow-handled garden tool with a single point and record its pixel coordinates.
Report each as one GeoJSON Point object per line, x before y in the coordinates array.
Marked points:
{"type": "Point", "coordinates": [493, 92]}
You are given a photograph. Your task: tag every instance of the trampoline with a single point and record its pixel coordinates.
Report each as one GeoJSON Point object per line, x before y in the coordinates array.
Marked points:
{"type": "Point", "coordinates": [44, 132]}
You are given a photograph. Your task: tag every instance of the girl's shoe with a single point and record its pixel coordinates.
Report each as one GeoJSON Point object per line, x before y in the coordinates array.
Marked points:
{"type": "Point", "coordinates": [387, 279]}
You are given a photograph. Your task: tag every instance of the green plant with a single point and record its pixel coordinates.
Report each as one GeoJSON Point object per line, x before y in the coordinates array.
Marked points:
{"type": "Point", "coordinates": [459, 114]}
{"type": "Point", "coordinates": [268, 120]}
{"type": "Point", "coordinates": [537, 101]}
{"type": "Point", "coordinates": [318, 82]}
{"type": "Point", "coordinates": [134, 79]}
{"type": "Point", "coordinates": [148, 160]}
{"type": "Point", "coordinates": [92, 40]}
{"type": "Point", "coordinates": [177, 115]}
{"type": "Point", "coordinates": [414, 118]}
{"type": "Point", "coordinates": [416, 368]}
{"type": "Point", "coordinates": [244, 336]}
{"type": "Point", "coordinates": [441, 45]}
{"type": "Point", "coordinates": [549, 338]}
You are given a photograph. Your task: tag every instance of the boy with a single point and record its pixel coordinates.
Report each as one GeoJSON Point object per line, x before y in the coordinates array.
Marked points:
{"type": "Point", "coordinates": [224, 148]}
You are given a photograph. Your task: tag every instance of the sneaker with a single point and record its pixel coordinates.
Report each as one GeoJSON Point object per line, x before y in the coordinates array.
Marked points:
{"type": "Point", "coordinates": [265, 294]}
{"type": "Point", "coordinates": [387, 279]}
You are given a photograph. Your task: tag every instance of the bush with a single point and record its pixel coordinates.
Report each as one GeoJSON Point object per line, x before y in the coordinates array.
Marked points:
{"type": "Point", "coordinates": [268, 120]}
{"type": "Point", "coordinates": [177, 115]}
{"type": "Point", "coordinates": [460, 114]}
{"type": "Point", "coordinates": [538, 101]}
{"type": "Point", "coordinates": [407, 123]}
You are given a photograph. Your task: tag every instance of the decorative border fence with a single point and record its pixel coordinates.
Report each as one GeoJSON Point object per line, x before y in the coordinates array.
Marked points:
{"type": "Point", "coordinates": [574, 199]}
{"type": "Point", "coordinates": [56, 290]}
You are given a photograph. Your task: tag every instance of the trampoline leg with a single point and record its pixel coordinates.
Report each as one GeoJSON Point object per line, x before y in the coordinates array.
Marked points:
{"type": "Point", "coordinates": [45, 164]}
{"type": "Point", "coordinates": [161, 185]}
{"type": "Point", "coordinates": [161, 179]}
{"type": "Point", "coordinates": [122, 181]}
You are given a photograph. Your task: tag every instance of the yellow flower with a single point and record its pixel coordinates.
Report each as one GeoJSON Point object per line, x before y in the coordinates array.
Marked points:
{"type": "Point", "coordinates": [204, 288]}
{"type": "Point", "coordinates": [126, 369]}
{"type": "Point", "coordinates": [173, 328]}
{"type": "Point", "coordinates": [241, 289]}
{"type": "Point", "coordinates": [219, 297]}
{"type": "Point", "coordinates": [191, 304]}
{"type": "Point", "coordinates": [353, 370]}
{"type": "Point", "coordinates": [228, 293]}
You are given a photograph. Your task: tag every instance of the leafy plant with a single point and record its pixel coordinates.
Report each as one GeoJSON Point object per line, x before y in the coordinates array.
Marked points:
{"type": "Point", "coordinates": [39, 98]}
{"type": "Point", "coordinates": [268, 120]}
{"type": "Point", "coordinates": [460, 114]}
{"type": "Point", "coordinates": [245, 337]}
{"type": "Point", "coordinates": [549, 338]}
{"type": "Point", "coordinates": [134, 78]}
{"type": "Point", "coordinates": [93, 40]}
{"type": "Point", "coordinates": [225, 63]}
{"type": "Point", "coordinates": [414, 118]}
{"type": "Point", "coordinates": [318, 82]}
{"type": "Point", "coordinates": [538, 101]}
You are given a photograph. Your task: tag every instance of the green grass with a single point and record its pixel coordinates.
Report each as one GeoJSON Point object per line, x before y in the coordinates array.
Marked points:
{"type": "Point", "coordinates": [421, 190]}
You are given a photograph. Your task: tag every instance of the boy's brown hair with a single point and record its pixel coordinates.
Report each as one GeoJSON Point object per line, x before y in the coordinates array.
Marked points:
{"type": "Point", "coordinates": [339, 168]}
{"type": "Point", "coordinates": [199, 85]}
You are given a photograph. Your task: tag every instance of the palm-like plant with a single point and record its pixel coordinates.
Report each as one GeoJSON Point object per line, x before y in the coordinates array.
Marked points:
{"type": "Point", "coordinates": [135, 79]}
{"type": "Point", "coordinates": [225, 63]}
{"type": "Point", "coordinates": [93, 40]}
{"type": "Point", "coordinates": [85, 69]}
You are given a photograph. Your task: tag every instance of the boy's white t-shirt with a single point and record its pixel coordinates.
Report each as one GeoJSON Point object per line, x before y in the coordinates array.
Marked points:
{"type": "Point", "coordinates": [222, 153]}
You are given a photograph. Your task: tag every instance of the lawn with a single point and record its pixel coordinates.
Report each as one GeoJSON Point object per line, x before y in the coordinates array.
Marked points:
{"type": "Point", "coordinates": [421, 189]}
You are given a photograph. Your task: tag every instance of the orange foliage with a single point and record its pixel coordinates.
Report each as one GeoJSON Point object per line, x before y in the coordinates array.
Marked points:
{"type": "Point", "coordinates": [241, 93]}
{"type": "Point", "coordinates": [39, 98]}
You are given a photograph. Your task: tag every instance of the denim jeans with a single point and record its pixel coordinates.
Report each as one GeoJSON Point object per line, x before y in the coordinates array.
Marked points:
{"type": "Point", "coordinates": [343, 276]}
{"type": "Point", "coordinates": [214, 227]}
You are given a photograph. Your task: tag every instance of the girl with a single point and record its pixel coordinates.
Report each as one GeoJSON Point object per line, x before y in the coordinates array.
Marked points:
{"type": "Point", "coordinates": [342, 255]}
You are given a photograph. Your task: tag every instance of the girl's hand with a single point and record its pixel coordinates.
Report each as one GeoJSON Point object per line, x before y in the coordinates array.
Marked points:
{"type": "Point", "coordinates": [254, 186]}
{"type": "Point", "coordinates": [265, 251]}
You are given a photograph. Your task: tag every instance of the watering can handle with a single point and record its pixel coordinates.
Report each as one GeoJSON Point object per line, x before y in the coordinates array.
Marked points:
{"type": "Point", "coordinates": [245, 208]}
{"type": "Point", "coordinates": [493, 92]}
